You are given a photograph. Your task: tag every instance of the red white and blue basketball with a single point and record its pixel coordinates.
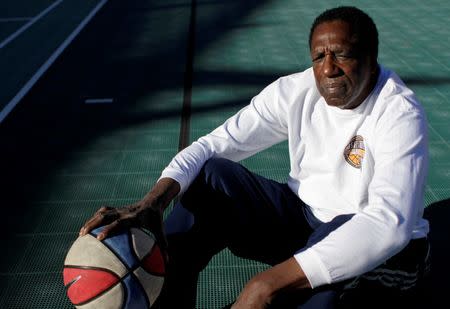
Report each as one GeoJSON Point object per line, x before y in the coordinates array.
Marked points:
{"type": "Point", "coordinates": [122, 271]}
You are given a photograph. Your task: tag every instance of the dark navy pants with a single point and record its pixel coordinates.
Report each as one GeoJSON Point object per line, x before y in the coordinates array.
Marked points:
{"type": "Point", "coordinates": [228, 206]}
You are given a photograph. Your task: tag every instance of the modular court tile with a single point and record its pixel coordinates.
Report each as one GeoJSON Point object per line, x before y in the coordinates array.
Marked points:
{"type": "Point", "coordinates": [63, 159]}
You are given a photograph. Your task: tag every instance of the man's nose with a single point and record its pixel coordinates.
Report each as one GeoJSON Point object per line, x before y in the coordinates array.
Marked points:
{"type": "Point", "coordinates": [329, 66]}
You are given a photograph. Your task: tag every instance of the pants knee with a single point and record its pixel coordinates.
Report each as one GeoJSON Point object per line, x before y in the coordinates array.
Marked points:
{"type": "Point", "coordinates": [217, 170]}
{"type": "Point", "coordinates": [217, 181]}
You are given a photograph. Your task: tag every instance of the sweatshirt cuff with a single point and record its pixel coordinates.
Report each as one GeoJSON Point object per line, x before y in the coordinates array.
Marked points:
{"type": "Point", "coordinates": [175, 175]}
{"type": "Point", "coordinates": [312, 266]}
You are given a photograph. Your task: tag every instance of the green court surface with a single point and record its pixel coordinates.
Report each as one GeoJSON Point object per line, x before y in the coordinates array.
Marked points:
{"type": "Point", "coordinates": [164, 73]}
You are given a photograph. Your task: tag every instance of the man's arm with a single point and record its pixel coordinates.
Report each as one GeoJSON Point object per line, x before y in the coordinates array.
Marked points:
{"type": "Point", "coordinates": [254, 128]}
{"type": "Point", "coordinates": [147, 212]}
{"type": "Point", "coordinates": [383, 226]}
{"type": "Point", "coordinates": [261, 289]}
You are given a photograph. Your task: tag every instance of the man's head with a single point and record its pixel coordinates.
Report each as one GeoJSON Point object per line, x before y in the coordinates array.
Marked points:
{"type": "Point", "coordinates": [344, 48]}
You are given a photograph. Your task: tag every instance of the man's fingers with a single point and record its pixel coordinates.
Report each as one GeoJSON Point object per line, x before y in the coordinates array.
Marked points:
{"type": "Point", "coordinates": [113, 227]}
{"type": "Point", "coordinates": [115, 219]}
{"type": "Point", "coordinates": [103, 216]}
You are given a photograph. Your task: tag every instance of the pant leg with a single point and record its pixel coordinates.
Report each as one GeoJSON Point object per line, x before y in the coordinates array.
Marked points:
{"type": "Point", "coordinates": [228, 206]}
{"type": "Point", "coordinates": [400, 282]}
{"type": "Point", "coordinates": [190, 247]}
{"type": "Point", "coordinates": [324, 297]}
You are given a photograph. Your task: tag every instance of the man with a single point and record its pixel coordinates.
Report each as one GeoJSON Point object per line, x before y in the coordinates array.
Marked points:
{"type": "Point", "coordinates": [347, 229]}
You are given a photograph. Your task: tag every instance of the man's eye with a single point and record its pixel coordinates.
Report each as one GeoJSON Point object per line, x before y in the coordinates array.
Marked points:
{"type": "Point", "coordinates": [318, 58]}
{"type": "Point", "coordinates": [343, 57]}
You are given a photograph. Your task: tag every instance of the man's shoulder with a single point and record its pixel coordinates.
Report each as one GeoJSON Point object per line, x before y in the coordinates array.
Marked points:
{"type": "Point", "coordinates": [395, 95]}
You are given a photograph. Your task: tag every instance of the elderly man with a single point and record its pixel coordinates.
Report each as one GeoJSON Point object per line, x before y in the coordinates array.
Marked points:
{"type": "Point", "coordinates": [347, 228]}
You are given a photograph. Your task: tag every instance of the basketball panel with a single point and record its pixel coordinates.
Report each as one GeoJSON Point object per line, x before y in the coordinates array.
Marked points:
{"type": "Point", "coordinates": [154, 263]}
{"type": "Point", "coordinates": [152, 284]}
{"type": "Point", "coordinates": [90, 252]}
{"type": "Point", "coordinates": [136, 295]}
{"type": "Point", "coordinates": [84, 285]}
{"type": "Point", "coordinates": [112, 299]}
{"type": "Point", "coordinates": [142, 242]}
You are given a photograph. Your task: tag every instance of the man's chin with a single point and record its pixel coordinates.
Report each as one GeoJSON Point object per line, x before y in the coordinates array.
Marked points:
{"type": "Point", "coordinates": [336, 102]}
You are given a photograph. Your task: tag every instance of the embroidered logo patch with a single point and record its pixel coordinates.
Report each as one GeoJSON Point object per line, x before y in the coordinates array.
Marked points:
{"type": "Point", "coordinates": [354, 151]}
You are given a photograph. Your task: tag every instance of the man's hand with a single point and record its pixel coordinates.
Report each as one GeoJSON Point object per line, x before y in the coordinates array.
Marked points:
{"type": "Point", "coordinates": [147, 213]}
{"type": "Point", "coordinates": [259, 292]}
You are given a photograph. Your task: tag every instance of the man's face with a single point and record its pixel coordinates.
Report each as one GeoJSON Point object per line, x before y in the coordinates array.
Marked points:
{"type": "Point", "coordinates": [344, 76]}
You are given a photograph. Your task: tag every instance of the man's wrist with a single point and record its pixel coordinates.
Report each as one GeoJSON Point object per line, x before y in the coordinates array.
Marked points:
{"type": "Point", "coordinates": [287, 275]}
{"type": "Point", "coordinates": [162, 193]}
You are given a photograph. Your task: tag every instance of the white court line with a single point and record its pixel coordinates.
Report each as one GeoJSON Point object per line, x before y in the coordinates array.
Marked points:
{"type": "Point", "coordinates": [9, 107]}
{"type": "Point", "coordinates": [29, 24]}
{"type": "Point", "coordinates": [99, 101]}
{"type": "Point", "coordinates": [13, 19]}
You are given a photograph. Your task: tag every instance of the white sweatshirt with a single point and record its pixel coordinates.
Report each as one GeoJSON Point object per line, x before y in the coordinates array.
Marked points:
{"type": "Point", "coordinates": [371, 161]}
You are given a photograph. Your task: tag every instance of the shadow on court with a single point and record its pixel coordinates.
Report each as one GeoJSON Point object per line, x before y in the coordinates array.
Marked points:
{"type": "Point", "coordinates": [132, 51]}
{"type": "Point", "coordinates": [438, 215]}
{"type": "Point", "coordinates": [135, 52]}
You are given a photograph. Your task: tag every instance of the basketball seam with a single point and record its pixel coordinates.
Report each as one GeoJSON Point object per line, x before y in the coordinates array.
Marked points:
{"type": "Point", "coordinates": [93, 268]}
{"type": "Point", "coordinates": [139, 283]}
{"type": "Point", "coordinates": [139, 264]}
{"type": "Point", "coordinates": [133, 252]}
{"type": "Point", "coordinates": [145, 256]}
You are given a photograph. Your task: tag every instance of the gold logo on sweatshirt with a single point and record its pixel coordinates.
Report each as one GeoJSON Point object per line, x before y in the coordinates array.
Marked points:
{"type": "Point", "coordinates": [354, 151]}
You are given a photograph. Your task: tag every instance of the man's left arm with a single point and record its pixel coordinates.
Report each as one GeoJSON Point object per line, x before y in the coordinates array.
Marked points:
{"type": "Point", "coordinates": [262, 288]}
{"type": "Point", "coordinates": [374, 234]}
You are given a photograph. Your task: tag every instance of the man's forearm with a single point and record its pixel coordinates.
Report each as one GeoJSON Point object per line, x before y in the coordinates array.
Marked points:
{"type": "Point", "coordinates": [285, 276]}
{"type": "Point", "coordinates": [262, 288]}
{"type": "Point", "coordinates": [162, 193]}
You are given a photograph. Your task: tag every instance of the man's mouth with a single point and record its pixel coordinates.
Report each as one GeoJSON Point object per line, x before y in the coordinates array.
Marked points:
{"type": "Point", "coordinates": [334, 88]}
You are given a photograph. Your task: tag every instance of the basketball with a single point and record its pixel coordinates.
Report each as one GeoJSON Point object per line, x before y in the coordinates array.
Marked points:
{"type": "Point", "coordinates": [124, 271]}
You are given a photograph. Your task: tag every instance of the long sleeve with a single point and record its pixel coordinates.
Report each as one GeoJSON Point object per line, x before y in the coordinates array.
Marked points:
{"type": "Point", "coordinates": [254, 128]}
{"type": "Point", "coordinates": [385, 224]}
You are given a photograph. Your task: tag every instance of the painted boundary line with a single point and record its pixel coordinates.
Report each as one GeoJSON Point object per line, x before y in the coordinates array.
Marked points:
{"type": "Point", "coordinates": [30, 23]}
{"type": "Point", "coordinates": [9, 107]}
{"type": "Point", "coordinates": [15, 19]}
{"type": "Point", "coordinates": [99, 101]}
